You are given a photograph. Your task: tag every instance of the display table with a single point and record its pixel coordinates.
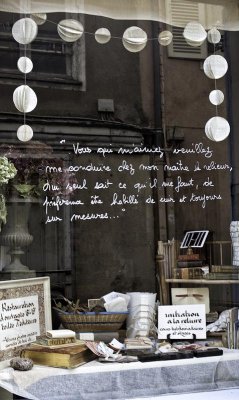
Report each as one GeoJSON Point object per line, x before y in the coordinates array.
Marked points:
{"type": "Point", "coordinates": [95, 381]}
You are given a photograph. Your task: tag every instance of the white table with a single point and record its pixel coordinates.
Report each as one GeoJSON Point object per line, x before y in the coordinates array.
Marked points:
{"type": "Point", "coordinates": [94, 381]}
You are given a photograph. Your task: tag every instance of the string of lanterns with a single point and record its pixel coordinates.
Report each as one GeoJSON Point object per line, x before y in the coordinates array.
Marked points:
{"type": "Point", "coordinates": [134, 39]}
{"type": "Point", "coordinates": [215, 67]}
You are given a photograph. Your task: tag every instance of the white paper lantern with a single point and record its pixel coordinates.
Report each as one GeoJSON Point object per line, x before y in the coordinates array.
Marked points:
{"type": "Point", "coordinates": [216, 97]}
{"type": "Point", "coordinates": [194, 44]}
{"type": "Point", "coordinates": [134, 39]}
{"type": "Point", "coordinates": [215, 66]}
{"type": "Point", "coordinates": [24, 133]}
{"type": "Point", "coordinates": [24, 98]}
{"type": "Point", "coordinates": [214, 36]}
{"type": "Point", "coordinates": [70, 30]}
{"type": "Point", "coordinates": [24, 65]}
{"type": "Point", "coordinates": [24, 30]}
{"type": "Point", "coordinates": [217, 129]}
{"type": "Point", "coordinates": [102, 35]}
{"type": "Point", "coordinates": [194, 33]}
{"type": "Point", "coordinates": [165, 38]}
{"type": "Point", "coordinates": [40, 19]}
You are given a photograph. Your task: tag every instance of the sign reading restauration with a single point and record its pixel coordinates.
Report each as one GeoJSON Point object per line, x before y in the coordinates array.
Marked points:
{"type": "Point", "coordinates": [19, 321]}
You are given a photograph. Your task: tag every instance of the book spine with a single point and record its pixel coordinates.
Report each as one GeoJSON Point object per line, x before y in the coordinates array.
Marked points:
{"type": "Point", "coordinates": [55, 341]}
{"type": "Point", "coordinates": [188, 257]}
{"type": "Point", "coordinates": [187, 273]}
{"type": "Point", "coordinates": [189, 264]}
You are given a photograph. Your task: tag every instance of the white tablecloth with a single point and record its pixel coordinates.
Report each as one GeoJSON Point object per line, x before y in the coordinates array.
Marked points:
{"type": "Point", "coordinates": [95, 381]}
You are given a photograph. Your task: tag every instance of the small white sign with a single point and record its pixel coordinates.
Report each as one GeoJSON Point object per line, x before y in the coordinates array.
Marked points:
{"type": "Point", "coordinates": [182, 322]}
{"type": "Point", "coordinates": [19, 321]}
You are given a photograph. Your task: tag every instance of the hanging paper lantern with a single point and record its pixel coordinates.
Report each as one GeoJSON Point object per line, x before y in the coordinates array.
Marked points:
{"type": "Point", "coordinates": [214, 36]}
{"type": "Point", "coordinates": [24, 133]}
{"type": "Point", "coordinates": [24, 65]}
{"type": "Point", "coordinates": [165, 38]}
{"type": "Point", "coordinates": [216, 97]}
{"type": "Point", "coordinates": [40, 19]}
{"type": "Point", "coordinates": [134, 39]}
{"type": "Point", "coordinates": [194, 44]}
{"type": "Point", "coordinates": [194, 33]}
{"type": "Point", "coordinates": [70, 30]}
{"type": "Point", "coordinates": [24, 98]}
{"type": "Point", "coordinates": [215, 66]}
{"type": "Point", "coordinates": [102, 35]}
{"type": "Point", "coordinates": [217, 129]}
{"type": "Point", "coordinates": [24, 30]}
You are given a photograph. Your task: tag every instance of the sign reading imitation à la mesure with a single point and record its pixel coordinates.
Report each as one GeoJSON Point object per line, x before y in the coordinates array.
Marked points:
{"type": "Point", "coordinates": [182, 321]}
{"type": "Point", "coordinates": [19, 321]}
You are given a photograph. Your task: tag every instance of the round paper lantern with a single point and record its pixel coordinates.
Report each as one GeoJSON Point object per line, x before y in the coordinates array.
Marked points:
{"type": "Point", "coordinates": [102, 35]}
{"type": "Point", "coordinates": [24, 30]}
{"type": "Point", "coordinates": [217, 129]}
{"type": "Point", "coordinates": [24, 133]}
{"type": "Point", "coordinates": [134, 39]}
{"type": "Point", "coordinates": [24, 98]}
{"type": "Point", "coordinates": [40, 19]}
{"type": "Point", "coordinates": [24, 65]}
{"type": "Point", "coordinates": [216, 97]}
{"type": "Point", "coordinates": [214, 36]}
{"type": "Point", "coordinates": [165, 38]}
{"type": "Point", "coordinates": [70, 30]}
{"type": "Point", "coordinates": [215, 66]}
{"type": "Point", "coordinates": [194, 44]}
{"type": "Point", "coordinates": [194, 33]}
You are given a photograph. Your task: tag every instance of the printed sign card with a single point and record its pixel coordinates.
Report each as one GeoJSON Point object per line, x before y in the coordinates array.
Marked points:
{"type": "Point", "coordinates": [19, 321]}
{"type": "Point", "coordinates": [182, 322]}
{"type": "Point", "coordinates": [25, 312]}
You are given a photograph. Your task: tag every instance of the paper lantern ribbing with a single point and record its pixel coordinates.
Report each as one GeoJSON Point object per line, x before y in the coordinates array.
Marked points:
{"type": "Point", "coordinates": [216, 97]}
{"type": "Point", "coordinates": [24, 133]}
{"type": "Point", "coordinates": [214, 36]}
{"type": "Point", "coordinates": [24, 98]}
{"type": "Point", "coordinates": [217, 129]}
{"type": "Point", "coordinates": [70, 30]}
{"type": "Point", "coordinates": [24, 30]}
{"type": "Point", "coordinates": [215, 66]}
{"type": "Point", "coordinates": [134, 39]}
{"type": "Point", "coordinates": [165, 38]}
{"type": "Point", "coordinates": [194, 33]}
{"type": "Point", "coordinates": [102, 35]}
{"type": "Point", "coordinates": [40, 19]}
{"type": "Point", "coordinates": [24, 64]}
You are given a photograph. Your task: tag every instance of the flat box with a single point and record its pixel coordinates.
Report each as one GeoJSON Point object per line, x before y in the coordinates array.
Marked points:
{"type": "Point", "coordinates": [208, 353]}
{"type": "Point", "coordinates": [166, 356]}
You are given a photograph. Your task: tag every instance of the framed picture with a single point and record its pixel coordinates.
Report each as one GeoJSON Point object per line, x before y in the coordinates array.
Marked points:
{"type": "Point", "coordinates": [25, 312]}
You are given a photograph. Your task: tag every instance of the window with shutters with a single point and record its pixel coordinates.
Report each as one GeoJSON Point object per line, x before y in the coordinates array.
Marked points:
{"type": "Point", "coordinates": [55, 62]}
{"type": "Point", "coordinates": [180, 13]}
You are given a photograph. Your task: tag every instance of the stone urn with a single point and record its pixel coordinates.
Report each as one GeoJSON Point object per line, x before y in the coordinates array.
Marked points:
{"type": "Point", "coordinates": [15, 234]}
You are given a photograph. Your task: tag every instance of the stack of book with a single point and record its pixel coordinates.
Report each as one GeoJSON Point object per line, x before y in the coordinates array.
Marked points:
{"type": "Point", "coordinates": [224, 272]}
{"type": "Point", "coordinates": [58, 349]}
{"type": "Point", "coordinates": [189, 266]}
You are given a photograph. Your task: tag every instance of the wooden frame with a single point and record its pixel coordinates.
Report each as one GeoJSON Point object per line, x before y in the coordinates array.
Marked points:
{"type": "Point", "coordinates": [25, 311]}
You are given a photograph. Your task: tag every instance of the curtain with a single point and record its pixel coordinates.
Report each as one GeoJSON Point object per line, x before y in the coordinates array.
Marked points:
{"type": "Point", "coordinates": [224, 14]}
